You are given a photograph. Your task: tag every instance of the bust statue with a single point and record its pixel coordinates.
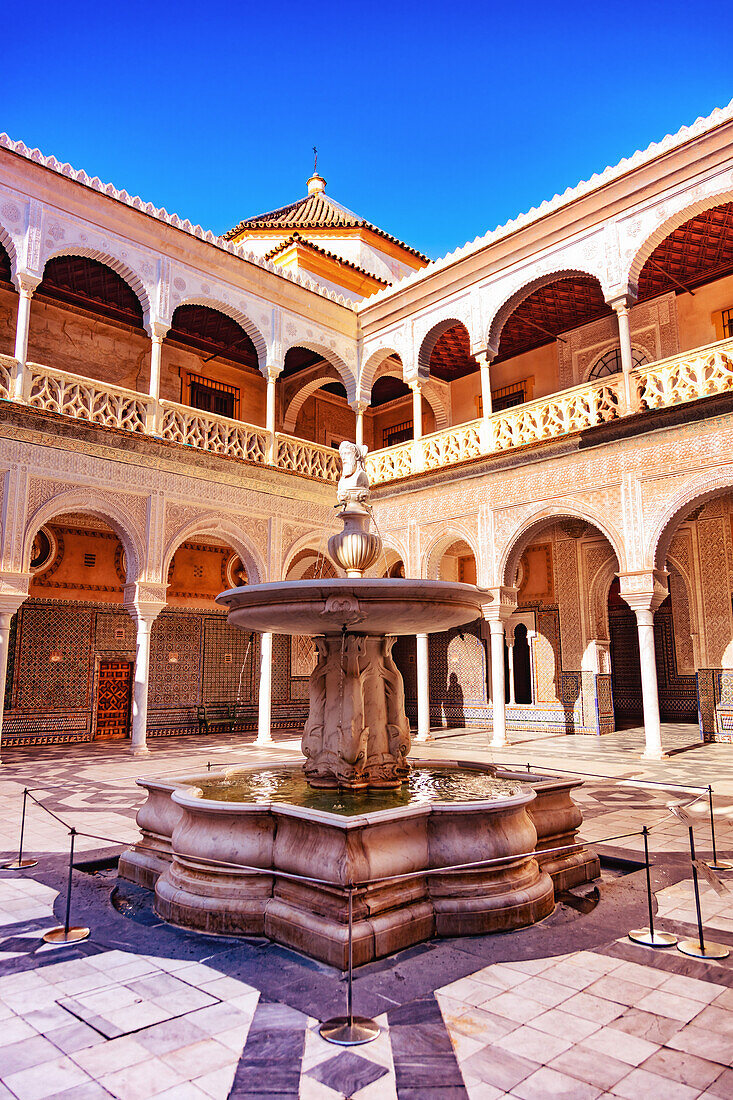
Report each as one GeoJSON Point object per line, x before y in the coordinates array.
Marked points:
{"type": "Point", "coordinates": [353, 486]}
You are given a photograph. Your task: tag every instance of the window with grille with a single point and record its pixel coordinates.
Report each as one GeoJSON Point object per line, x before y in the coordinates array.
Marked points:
{"type": "Point", "coordinates": [727, 323]}
{"type": "Point", "coordinates": [610, 363]}
{"type": "Point", "coordinates": [90, 560]}
{"type": "Point", "coordinates": [505, 398]}
{"type": "Point", "coordinates": [398, 433]}
{"type": "Point", "coordinates": [213, 397]}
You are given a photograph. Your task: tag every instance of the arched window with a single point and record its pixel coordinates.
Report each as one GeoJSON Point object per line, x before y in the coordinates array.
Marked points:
{"type": "Point", "coordinates": [610, 363]}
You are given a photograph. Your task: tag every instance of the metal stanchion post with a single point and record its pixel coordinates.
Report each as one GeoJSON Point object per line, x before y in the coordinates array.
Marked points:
{"type": "Point", "coordinates": [19, 863]}
{"type": "Point", "coordinates": [698, 948]}
{"type": "Point", "coordinates": [65, 933]}
{"type": "Point", "coordinates": [648, 936]}
{"type": "Point", "coordinates": [717, 864]}
{"type": "Point", "coordinates": [350, 1030]}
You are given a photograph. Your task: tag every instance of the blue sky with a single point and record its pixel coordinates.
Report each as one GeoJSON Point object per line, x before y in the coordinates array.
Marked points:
{"type": "Point", "coordinates": [435, 120]}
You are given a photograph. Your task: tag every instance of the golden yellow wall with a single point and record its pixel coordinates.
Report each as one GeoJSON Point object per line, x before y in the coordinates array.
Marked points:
{"type": "Point", "coordinates": [8, 314]}
{"type": "Point", "coordinates": [696, 326]}
{"type": "Point", "coordinates": [378, 420]}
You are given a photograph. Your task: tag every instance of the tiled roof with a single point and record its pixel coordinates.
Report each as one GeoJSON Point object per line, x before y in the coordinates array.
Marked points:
{"type": "Point", "coordinates": [295, 238]}
{"type": "Point", "coordinates": [317, 211]}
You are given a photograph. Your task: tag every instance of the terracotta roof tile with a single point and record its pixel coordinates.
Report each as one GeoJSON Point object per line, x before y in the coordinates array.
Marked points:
{"type": "Point", "coordinates": [316, 211]}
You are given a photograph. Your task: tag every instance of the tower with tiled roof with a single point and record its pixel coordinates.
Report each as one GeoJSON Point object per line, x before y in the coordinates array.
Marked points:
{"type": "Point", "coordinates": [322, 239]}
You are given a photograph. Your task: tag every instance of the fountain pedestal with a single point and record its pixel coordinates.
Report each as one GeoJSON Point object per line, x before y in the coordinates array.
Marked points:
{"type": "Point", "coordinates": [357, 734]}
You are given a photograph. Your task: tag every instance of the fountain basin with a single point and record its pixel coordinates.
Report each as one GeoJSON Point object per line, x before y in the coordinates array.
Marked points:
{"type": "Point", "coordinates": [188, 833]}
{"type": "Point", "coordinates": [376, 607]}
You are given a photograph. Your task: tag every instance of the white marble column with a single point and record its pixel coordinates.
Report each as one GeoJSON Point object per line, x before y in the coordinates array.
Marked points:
{"type": "Point", "coordinates": [360, 408]}
{"type": "Point", "coordinates": [498, 686]}
{"type": "Point", "coordinates": [272, 375]}
{"type": "Point", "coordinates": [416, 388]}
{"type": "Point", "coordinates": [510, 652]}
{"type": "Point", "coordinates": [621, 308]}
{"type": "Point", "coordinates": [10, 601]}
{"type": "Point", "coordinates": [26, 286]}
{"type": "Point", "coordinates": [264, 702]}
{"type": "Point", "coordinates": [423, 688]}
{"type": "Point", "coordinates": [157, 336]}
{"type": "Point", "coordinates": [649, 687]}
{"type": "Point", "coordinates": [644, 591]}
{"type": "Point", "coordinates": [483, 359]}
{"type": "Point", "coordinates": [139, 740]}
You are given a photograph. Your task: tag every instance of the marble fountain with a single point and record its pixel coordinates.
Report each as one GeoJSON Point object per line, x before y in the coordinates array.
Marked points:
{"type": "Point", "coordinates": [227, 851]}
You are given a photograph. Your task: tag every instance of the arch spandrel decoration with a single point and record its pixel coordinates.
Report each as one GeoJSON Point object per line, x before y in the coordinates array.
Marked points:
{"type": "Point", "coordinates": [544, 517]}
{"type": "Point", "coordinates": [105, 506]}
{"type": "Point", "coordinates": [698, 491]}
{"type": "Point", "coordinates": [225, 528]}
{"type": "Point", "coordinates": [8, 241]}
{"type": "Point", "coordinates": [652, 226]}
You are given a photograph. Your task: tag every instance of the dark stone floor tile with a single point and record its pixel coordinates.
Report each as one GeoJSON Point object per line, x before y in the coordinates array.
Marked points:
{"type": "Point", "coordinates": [347, 1073]}
{"type": "Point", "coordinates": [423, 1011]}
{"type": "Point", "coordinates": [451, 1092]}
{"type": "Point", "coordinates": [412, 1040]}
{"type": "Point", "coordinates": [428, 1071]}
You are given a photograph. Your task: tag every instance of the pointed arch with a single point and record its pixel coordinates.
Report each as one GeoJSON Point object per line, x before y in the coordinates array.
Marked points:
{"type": "Point", "coordinates": [371, 369]}
{"type": "Point", "coordinates": [103, 507]}
{"type": "Point", "coordinates": [430, 392]}
{"type": "Point", "coordinates": [223, 527]}
{"type": "Point", "coordinates": [244, 322]}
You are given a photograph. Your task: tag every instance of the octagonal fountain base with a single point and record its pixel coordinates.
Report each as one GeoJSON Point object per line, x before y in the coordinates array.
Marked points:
{"type": "Point", "coordinates": [201, 844]}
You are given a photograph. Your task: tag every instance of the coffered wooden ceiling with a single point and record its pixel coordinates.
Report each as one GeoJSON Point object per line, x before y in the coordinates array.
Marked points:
{"type": "Point", "coordinates": [92, 286]}
{"type": "Point", "coordinates": [697, 252]}
{"type": "Point", "coordinates": [213, 333]}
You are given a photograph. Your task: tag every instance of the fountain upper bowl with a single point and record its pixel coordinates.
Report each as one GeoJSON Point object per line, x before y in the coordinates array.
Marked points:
{"type": "Point", "coordinates": [384, 605]}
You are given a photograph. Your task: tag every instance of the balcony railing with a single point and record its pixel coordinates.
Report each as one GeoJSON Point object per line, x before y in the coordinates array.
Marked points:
{"type": "Point", "coordinates": [686, 377]}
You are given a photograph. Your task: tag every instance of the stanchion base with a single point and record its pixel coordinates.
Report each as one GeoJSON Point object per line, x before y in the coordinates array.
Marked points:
{"type": "Point", "coordinates": [60, 935]}
{"type": "Point", "coordinates": [18, 864]}
{"type": "Point", "coordinates": [721, 865]}
{"type": "Point", "coordinates": [652, 939]}
{"type": "Point", "coordinates": [345, 1032]}
{"type": "Point", "coordinates": [712, 950]}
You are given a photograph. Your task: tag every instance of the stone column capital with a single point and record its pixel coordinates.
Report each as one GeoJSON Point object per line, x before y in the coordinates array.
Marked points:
{"type": "Point", "coordinates": [145, 601]}
{"type": "Point", "coordinates": [643, 590]}
{"type": "Point", "coordinates": [483, 356]}
{"type": "Point", "coordinates": [13, 591]}
{"type": "Point", "coordinates": [621, 303]}
{"type": "Point", "coordinates": [360, 407]}
{"type": "Point", "coordinates": [415, 384]}
{"type": "Point", "coordinates": [158, 330]}
{"type": "Point", "coordinates": [26, 283]}
{"type": "Point", "coordinates": [502, 605]}
{"type": "Point", "coordinates": [272, 371]}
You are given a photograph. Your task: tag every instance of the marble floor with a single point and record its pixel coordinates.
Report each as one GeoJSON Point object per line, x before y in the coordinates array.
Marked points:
{"type": "Point", "coordinates": [567, 1008]}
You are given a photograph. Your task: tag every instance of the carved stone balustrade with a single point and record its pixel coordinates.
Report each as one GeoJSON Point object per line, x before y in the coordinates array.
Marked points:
{"type": "Point", "coordinates": [7, 364]}
{"type": "Point", "coordinates": [303, 457]}
{"type": "Point", "coordinates": [86, 399]}
{"type": "Point", "coordinates": [208, 432]}
{"type": "Point", "coordinates": [686, 377]}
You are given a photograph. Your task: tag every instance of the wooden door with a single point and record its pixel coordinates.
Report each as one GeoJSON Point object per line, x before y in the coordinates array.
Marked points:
{"type": "Point", "coordinates": [113, 699]}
